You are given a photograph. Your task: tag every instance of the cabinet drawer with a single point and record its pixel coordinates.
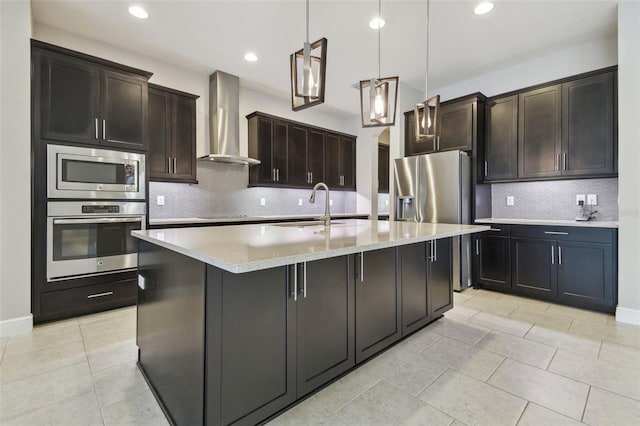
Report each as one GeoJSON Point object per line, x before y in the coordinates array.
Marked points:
{"type": "Point", "coordinates": [83, 300]}
{"type": "Point", "coordinates": [565, 233]}
{"type": "Point", "coordinates": [497, 230]}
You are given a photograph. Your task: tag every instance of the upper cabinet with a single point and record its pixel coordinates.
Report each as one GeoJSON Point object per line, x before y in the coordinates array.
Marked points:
{"type": "Point", "coordinates": [461, 121]}
{"type": "Point", "coordinates": [172, 135]}
{"type": "Point", "coordinates": [561, 130]}
{"type": "Point", "coordinates": [383, 168]}
{"type": "Point", "coordinates": [297, 155]}
{"type": "Point", "coordinates": [87, 100]}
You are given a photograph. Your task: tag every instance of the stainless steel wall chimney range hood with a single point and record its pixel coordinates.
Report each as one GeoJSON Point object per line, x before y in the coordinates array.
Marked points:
{"type": "Point", "coordinates": [224, 120]}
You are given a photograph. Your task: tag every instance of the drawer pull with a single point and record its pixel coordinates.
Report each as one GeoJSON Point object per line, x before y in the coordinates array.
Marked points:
{"type": "Point", "coordinates": [556, 233]}
{"type": "Point", "coordinates": [495, 229]}
{"type": "Point", "coordinates": [106, 293]}
{"type": "Point", "coordinates": [552, 256]}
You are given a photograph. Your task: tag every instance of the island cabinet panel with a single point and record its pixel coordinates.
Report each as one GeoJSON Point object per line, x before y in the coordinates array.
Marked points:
{"type": "Point", "coordinates": [378, 308]}
{"type": "Point", "coordinates": [413, 279]}
{"type": "Point", "coordinates": [439, 280]}
{"type": "Point", "coordinates": [325, 322]}
{"type": "Point", "coordinates": [171, 330]}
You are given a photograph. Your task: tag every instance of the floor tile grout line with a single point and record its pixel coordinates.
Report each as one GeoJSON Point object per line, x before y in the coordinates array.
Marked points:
{"type": "Point", "coordinates": [586, 401]}
{"type": "Point", "coordinates": [93, 382]}
{"type": "Point", "coordinates": [48, 406]}
{"type": "Point", "coordinates": [494, 370]}
{"type": "Point", "coordinates": [356, 397]}
{"type": "Point", "coordinates": [525, 409]}
{"type": "Point", "coordinates": [433, 381]}
{"type": "Point", "coordinates": [551, 360]}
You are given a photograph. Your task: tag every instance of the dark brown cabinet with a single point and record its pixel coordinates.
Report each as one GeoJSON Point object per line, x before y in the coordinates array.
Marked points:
{"type": "Point", "coordinates": [588, 126]}
{"type": "Point", "coordinates": [439, 279]}
{"type": "Point", "coordinates": [297, 155]}
{"type": "Point", "coordinates": [82, 99]}
{"type": "Point", "coordinates": [172, 135]}
{"type": "Point", "coordinates": [501, 142]}
{"type": "Point", "coordinates": [339, 162]}
{"type": "Point", "coordinates": [383, 168]}
{"type": "Point", "coordinates": [491, 264]}
{"type": "Point", "coordinates": [411, 145]}
{"type": "Point", "coordinates": [378, 309]}
{"type": "Point", "coordinates": [534, 270]}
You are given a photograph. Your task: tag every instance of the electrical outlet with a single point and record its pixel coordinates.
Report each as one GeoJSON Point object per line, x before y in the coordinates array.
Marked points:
{"type": "Point", "coordinates": [580, 197]}
{"type": "Point", "coordinates": [510, 200]}
{"type": "Point", "coordinates": [160, 200]}
{"type": "Point", "coordinates": [592, 200]}
{"type": "Point", "coordinates": [263, 202]}
{"type": "Point", "coordinates": [299, 201]}
{"type": "Point", "coordinates": [386, 202]}
{"type": "Point", "coordinates": [330, 202]}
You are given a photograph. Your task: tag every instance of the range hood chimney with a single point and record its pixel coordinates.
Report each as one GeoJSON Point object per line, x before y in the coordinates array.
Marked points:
{"type": "Point", "coordinates": [224, 120]}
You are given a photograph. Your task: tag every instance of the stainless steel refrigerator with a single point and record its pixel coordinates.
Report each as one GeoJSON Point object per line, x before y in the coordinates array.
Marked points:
{"type": "Point", "coordinates": [436, 188]}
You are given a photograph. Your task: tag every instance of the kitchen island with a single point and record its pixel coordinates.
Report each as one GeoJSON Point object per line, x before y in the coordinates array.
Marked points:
{"type": "Point", "coordinates": [235, 323]}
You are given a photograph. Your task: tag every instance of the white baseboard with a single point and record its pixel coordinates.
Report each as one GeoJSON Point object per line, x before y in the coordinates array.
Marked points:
{"type": "Point", "coordinates": [629, 316]}
{"type": "Point", "coordinates": [16, 326]}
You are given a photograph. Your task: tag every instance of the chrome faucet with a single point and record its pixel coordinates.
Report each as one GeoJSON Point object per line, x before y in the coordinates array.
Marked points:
{"type": "Point", "coordinates": [327, 216]}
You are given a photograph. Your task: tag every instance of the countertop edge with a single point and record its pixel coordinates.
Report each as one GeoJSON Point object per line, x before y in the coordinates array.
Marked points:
{"type": "Point", "coordinates": [551, 222]}
{"type": "Point", "coordinates": [200, 220]}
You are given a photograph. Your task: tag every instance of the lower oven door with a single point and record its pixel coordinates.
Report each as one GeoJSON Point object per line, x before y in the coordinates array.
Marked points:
{"type": "Point", "coordinates": [78, 247]}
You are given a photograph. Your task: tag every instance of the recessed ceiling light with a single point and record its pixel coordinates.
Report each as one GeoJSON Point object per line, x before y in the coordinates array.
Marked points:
{"type": "Point", "coordinates": [138, 12]}
{"type": "Point", "coordinates": [484, 7]}
{"type": "Point", "coordinates": [251, 57]}
{"type": "Point", "coordinates": [376, 23]}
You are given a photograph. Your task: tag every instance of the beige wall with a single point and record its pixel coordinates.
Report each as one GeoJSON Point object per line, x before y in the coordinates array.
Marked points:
{"type": "Point", "coordinates": [15, 168]}
{"type": "Point", "coordinates": [629, 155]}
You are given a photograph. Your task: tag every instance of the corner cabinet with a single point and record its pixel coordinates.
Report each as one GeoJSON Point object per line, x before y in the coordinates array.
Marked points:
{"type": "Point", "coordinates": [86, 100]}
{"type": "Point", "coordinates": [172, 135]}
{"type": "Point", "coordinates": [297, 155]}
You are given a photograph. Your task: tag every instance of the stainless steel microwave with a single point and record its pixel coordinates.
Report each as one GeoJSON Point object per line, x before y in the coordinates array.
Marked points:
{"type": "Point", "coordinates": [89, 173]}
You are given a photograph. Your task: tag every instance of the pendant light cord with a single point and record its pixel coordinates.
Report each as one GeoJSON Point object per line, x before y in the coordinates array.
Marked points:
{"type": "Point", "coordinates": [307, 21]}
{"type": "Point", "coordinates": [426, 77]}
{"type": "Point", "coordinates": [379, 30]}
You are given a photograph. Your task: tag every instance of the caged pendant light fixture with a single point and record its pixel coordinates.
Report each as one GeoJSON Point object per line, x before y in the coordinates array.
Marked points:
{"type": "Point", "coordinates": [427, 113]}
{"type": "Point", "coordinates": [308, 67]}
{"type": "Point", "coordinates": [378, 96]}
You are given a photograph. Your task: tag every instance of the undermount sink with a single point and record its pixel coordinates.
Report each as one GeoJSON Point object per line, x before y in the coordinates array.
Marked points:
{"type": "Point", "coordinates": [304, 224]}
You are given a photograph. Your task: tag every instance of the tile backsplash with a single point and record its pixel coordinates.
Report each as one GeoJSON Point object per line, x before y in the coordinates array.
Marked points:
{"type": "Point", "coordinates": [222, 191]}
{"type": "Point", "coordinates": [554, 199]}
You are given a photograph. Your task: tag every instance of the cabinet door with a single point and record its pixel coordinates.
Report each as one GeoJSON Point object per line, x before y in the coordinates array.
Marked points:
{"type": "Point", "coordinates": [257, 361]}
{"type": "Point", "coordinates": [378, 321]}
{"type": "Point", "coordinates": [413, 280]}
{"type": "Point", "coordinates": [264, 143]}
{"type": "Point", "coordinates": [297, 151]}
{"type": "Point", "coordinates": [281, 151]}
{"type": "Point", "coordinates": [124, 101]}
{"type": "Point", "coordinates": [493, 262]}
{"type": "Point", "coordinates": [585, 274]}
{"type": "Point", "coordinates": [456, 127]}
{"type": "Point", "coordinates": [325, 322]}
{"type": "Point", "coordinates": [332, 161]}
{"type": "Point", "coordinates": [588, 142]}
{"type": "Point", "coordinates": [383, 168]}
{"type": "Point", "coordinates": [501, 146]}
{"type": "Point", "coordinates": [69, 99]}
{"type": "Point", "coordinates": [348, 162]}
{"type": "Point", "coordinates": [534, 269]}
{"type": "Point", "coordinates": [439, 280]}
{"type": "Point", "coordinates": [411, 146]}
{"type": "Point", "coordinates": [315, 156]}
{"type": "Point", "coordinates": [159, 134]}
{"type": "Point", "coordinates": [539, 132]}
{"type": "Point", "coordinates": [184, 138]}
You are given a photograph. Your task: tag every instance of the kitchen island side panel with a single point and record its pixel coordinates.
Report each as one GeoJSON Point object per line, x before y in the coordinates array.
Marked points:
{"type": "Point", "coordinates": [171, 330]}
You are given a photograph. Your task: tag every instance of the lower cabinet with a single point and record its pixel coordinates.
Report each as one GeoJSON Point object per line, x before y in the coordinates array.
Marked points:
{"type": "Point", "coordinates": [377, 302]}
{"type": "Point", "coordinates": [569, 265]}
{"type": "Point", "coordinates": [439, 279]}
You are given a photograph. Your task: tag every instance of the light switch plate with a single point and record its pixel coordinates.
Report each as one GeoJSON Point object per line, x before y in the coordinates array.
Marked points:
{"type": "Point", "coordinates": [510, 200]}
{"type": "Point", "coordinates": [160, 200]}
{"type": "Point", "coordinates": [592, 200]}
{"type": "Point", "coordinates": [263, 202]}
{"type": "Point", "coordinates": [580, 197]}
{"type": "Point", "coordinates": [299, 201]}
{"type": "Point", "coordinates": [330, 202]}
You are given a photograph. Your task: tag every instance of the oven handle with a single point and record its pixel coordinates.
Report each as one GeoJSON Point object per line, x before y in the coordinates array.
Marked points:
{"type": "Point", "coordinates": [96, 220]}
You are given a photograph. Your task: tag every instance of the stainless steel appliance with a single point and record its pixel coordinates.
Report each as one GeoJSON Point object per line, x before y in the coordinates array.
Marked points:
{"type": "Point", "coordinates": [437, 188]}
{"type": "Point", "coordinates": [91, 238]}
{"type": "Point", "coordinates": [89, 173]}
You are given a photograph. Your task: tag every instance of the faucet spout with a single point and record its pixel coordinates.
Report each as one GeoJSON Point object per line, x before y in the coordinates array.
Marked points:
{"type": "Point", "coordinates": [326, 218]}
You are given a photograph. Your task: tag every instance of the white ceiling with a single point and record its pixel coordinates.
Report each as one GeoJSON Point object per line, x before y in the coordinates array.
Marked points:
{"type": "Point", "coordinates": [207, 35]}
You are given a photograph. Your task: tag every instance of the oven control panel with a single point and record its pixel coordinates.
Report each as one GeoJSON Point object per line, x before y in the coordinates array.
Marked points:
{"type": "Point", "coordinates": [100, 209]}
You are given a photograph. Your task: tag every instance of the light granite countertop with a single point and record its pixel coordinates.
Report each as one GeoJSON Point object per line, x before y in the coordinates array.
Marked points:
{"type": "Point", "coordinates": [547, 222]}
{"type": "Point", "coordinates": [245, 248]}
{"type": "Point", "coordinates": [236, 219]}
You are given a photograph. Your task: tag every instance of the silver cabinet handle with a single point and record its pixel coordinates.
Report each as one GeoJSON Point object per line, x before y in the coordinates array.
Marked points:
{"type": "Point", "coordinates": [564, 161]}
{"type": "Point", "coordinates": [495, 229]}
{"type": "Point", "coordinates": [311, 177]}
{"type": "Point", "coordinates": [557, 166]}
{"type": "Point", "coordinates": [97, 128]}
{"type": "Point", "coordinates": [104, 130]}
{"type": "Point", "coordinates": [477, 247]}
{"type": "Point", "coordinates": [361, 266]}
{"type": "Point", "coordinates": [175, 163]}
{"type": "Point", "coordinates": [169, 164]}
{"type": "Point", "coordinates": [438, 139]}
{"type": "Point", "coordinates": [80, 221]}
{"type": "Point", "coordinates": [552, 255]}
{"type": "Point", "coordinates": [559, 255]}
{"type": "Point", "coordinates": [556, 233]}
{"type": "Point", "coordinates": [434, 144]}
{"type": "Point", "coordinates": [277, 175]}
{"type": "Point", "coordinates": [295, 282]}
{"type": "Point", "coordinates": [486, 168]}
{"type": "Point", "coordinates": [435, 250]}
{"type": "Point", "coordinates": [273, 174]}
{"type": "Point", "coordinates": [304, 280]}
{"type": "Point", "coordinates": [106, 293]}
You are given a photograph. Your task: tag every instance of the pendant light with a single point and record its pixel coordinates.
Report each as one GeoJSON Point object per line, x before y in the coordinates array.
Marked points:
{"type": "Point", "coordinates": [427, 113]}
{"type": "Point", "coordinates": [308, 67]}
{"type": "Point", "coordinates": [378, 96]}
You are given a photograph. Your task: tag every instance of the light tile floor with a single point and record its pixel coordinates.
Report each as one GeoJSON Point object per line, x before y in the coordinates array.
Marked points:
{"type": "Point", "coordinates": [493, 360]}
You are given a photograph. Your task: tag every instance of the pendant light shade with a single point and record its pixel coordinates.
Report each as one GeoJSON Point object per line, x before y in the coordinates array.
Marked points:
{"type": "Point", "coordinates": [378, 96]}
{"type": "Point", "coordinates": [308, 67]}
{"type": "Point", "coordinates": [427, 113]}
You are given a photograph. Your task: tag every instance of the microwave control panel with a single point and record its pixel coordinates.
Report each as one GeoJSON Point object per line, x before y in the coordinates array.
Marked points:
{"type": "Point", "coordinates": [101, 209]}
